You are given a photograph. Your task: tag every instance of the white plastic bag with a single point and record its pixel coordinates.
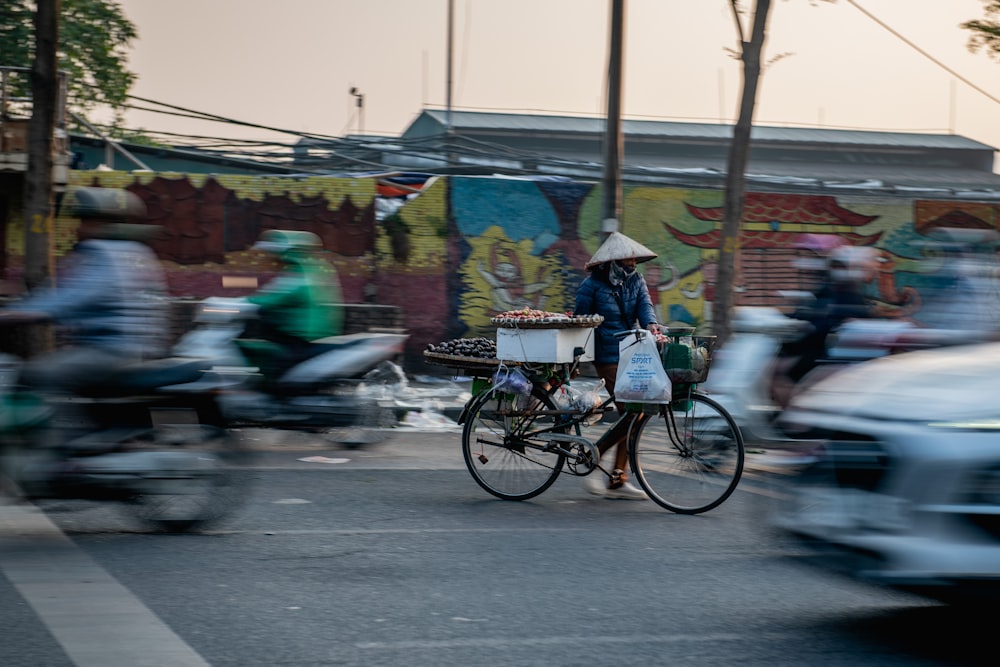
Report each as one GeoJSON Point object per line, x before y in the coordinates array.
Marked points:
{"type": "Point", "coordinates": [641, 377]}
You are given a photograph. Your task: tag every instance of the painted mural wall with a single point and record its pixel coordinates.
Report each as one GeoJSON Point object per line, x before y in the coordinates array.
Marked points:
{"type": "Point", "coordinates": [466, 248]}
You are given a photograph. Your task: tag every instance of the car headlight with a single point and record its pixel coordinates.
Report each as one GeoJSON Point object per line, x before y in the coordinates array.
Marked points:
{"type": "Point", "coordinates": [969, 425]}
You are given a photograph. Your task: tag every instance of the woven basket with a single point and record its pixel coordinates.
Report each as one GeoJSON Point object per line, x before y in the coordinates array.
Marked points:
{"type": "Point", "coordinates": [465, 363]}
{"type": "Point", "coordinates": [583, 321]}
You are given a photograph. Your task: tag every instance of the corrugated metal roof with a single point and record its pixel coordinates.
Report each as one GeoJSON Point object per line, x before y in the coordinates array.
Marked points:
{"type": "Point", "coordinates": [475, 120]}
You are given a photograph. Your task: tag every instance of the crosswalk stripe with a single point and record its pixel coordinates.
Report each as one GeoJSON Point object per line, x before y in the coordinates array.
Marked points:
{"type": "Point", "coordinates": [95, 619]}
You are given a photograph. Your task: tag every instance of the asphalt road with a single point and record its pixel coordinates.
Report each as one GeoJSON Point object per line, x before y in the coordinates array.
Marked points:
{"type": "Point", "coordinates": [391, 555]}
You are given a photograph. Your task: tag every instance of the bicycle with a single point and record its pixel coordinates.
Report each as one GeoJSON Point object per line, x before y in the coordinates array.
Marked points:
{"type": "Point", "coordinates": [687, 455]}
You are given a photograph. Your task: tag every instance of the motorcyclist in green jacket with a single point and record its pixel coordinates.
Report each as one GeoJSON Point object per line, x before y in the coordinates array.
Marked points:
{"type": "Point", "coordinates": [300, 305]}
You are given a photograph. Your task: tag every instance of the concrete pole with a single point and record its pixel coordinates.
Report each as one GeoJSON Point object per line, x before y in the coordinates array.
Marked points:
{"type": "Point", "coordinates": [611, 203]}
{"type": "Point", "coordinates": [451, 20]}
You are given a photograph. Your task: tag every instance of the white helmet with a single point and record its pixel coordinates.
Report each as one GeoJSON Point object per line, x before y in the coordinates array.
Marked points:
{"type": "Point", "coordinates": [853, 263]}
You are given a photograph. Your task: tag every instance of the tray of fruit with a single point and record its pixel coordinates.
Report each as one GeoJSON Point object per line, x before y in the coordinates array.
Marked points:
{"type": "Point", "coordinates": [465, 353]}
{"type": "Point", "coordinates": [529, 318]}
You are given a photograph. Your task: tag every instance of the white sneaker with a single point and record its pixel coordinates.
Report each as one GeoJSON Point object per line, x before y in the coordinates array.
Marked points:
{"type": "Point", "coordinates": [626, 491]}
{"type": "Point", "coordinates": [596, 483]}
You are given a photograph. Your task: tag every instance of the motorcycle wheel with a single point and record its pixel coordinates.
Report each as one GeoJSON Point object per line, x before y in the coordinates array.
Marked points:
{"type": "Point", "coordinates": [204, 477]}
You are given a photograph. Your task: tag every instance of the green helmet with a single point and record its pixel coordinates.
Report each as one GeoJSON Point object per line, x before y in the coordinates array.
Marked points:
{"type": "Point", "coordinates": [284, 241]}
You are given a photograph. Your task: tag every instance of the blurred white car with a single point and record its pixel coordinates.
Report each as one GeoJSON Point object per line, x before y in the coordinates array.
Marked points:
{"type": "Point", "coordinates": [904, 489]}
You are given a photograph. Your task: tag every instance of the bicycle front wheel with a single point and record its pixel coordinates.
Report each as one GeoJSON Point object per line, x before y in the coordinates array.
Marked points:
{"type": "Point", "coordinates": [689, 457]}
{"type": "Point", "coordinates": [499, 450]}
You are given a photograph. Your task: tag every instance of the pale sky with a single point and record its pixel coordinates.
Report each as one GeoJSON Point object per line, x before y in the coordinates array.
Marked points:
{"type": "Point", "coordinates": [291, 63]}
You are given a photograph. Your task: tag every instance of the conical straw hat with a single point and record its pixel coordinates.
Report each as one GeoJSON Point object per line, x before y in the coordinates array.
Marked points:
{"type": "Point", "coordinates": [619, 246]}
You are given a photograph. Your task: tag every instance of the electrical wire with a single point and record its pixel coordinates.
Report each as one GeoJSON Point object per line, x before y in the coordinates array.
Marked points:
{"type": "Point", "coordinates": [919, 50]}
{"type": "Point", "coordinates": [341, 151]}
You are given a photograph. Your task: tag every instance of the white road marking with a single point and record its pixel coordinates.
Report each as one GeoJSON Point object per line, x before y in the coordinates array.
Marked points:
{"type": "Point", "coordinates": [389, 531]}
{"type": "Point", "coordinates": [565, 640]}
{"type": "Point", "coordinates": [95, 619]}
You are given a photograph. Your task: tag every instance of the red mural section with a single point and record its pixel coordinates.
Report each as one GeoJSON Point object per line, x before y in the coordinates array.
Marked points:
{"type": "Point", "coordinates": [774, 210]}
{"type": "Point", "coordinates": [929, 215]}
{"type": "Point", "coordinates": [208, 231]}
{"type": "Point", "coordinates": [203, 224]}
{"type": "Point", "coordinates": [208, 227]}
{"type": "Point", "coordinates": [771, 225]}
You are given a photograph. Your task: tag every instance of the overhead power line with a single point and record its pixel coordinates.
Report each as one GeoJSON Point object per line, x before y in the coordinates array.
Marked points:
{"type": "Point", "coordinates": [345, 149]}
{"type": "Point", "coordinates": [919, 50]}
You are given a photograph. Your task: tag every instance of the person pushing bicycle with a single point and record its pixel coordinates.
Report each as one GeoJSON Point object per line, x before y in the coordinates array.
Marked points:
{"type": "Point", "coordinates": [616, 291]}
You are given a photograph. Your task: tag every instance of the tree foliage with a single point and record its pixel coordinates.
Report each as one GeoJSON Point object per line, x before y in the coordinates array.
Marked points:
{"type": "Point", "coordinates": [986, 31]}
{"type": "Point", "coordinates": [94, 36]}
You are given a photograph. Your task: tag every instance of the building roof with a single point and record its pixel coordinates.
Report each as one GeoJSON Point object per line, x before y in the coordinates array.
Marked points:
{"type": "Point", "coordinates": [90, 152]}
{"type": "Point", "coordinates": [432, 122]}
{"type": "Point", "coordinates": [696, 154]}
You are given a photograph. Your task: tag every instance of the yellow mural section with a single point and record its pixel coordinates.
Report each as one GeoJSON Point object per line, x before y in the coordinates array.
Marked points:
{"type": "Point", "coordinates": [500, 275]}
{"type": "Point", "coordinates": [426, 228]}
{"type": "Point", "coordinates": [250, 187]}
{"type": "Point", "coordinates": [675, 276]}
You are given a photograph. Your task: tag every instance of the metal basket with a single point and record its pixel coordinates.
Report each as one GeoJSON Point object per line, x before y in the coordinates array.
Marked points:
{"type": "Point", "coordinates": [686, 358]}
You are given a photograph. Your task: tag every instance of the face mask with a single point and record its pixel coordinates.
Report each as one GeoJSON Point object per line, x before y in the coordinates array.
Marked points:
{"type": "Point", "coordinates": [622, 268]}
{"type": "Point", "coordinates": [616, 274]}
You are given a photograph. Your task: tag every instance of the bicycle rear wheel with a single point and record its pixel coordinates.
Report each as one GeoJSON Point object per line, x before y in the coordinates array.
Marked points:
{"type": "Point", "coordinates": [498, 448]}
{"type": "Point", "coordinates": [689, 457]}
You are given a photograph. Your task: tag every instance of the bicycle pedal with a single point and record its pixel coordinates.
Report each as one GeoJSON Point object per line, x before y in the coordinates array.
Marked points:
{"type": "Point", "coordinates": [482, 459]}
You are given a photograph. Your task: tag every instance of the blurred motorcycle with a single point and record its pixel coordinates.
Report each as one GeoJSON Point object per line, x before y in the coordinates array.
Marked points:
{"type": "Point", "coordinates": [744, 370]}
{"type": "Point", "coordinates": [345, 382]}
{"type": "Point", "coordinates": [151, 438]}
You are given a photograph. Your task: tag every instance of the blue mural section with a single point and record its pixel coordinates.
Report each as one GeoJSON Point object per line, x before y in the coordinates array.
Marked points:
{"type": "Point", "coordinates": [516, 207]}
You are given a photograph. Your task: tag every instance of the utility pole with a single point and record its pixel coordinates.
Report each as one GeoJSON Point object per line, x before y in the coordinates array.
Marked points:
{"type": "Point", "coordinates": [611, 202]}
{"type": "Point", "coordinates": [38, 199]}
{"type": "Point", "coordinates": [359, 101]}
{"type": "Point", "coordinates": [38, 195]}
{"type": "Point", "coordinates": [448, 129]}
{"type": "Point", "coordinates": [451, 30]}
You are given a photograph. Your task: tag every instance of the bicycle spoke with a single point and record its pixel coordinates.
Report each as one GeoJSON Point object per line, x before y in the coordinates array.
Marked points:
{"type": "Point", "coordinates": [690, 458]}
{"type": "Point", "coordinates": [498, 450]}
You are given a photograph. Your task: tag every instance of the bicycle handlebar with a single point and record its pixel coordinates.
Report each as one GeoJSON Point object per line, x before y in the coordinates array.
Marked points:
{"type": "Point", "coordinates": [623, 334]}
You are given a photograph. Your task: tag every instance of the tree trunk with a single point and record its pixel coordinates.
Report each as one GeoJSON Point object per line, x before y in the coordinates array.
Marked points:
{"type": "Point", "coordinates": [38, 200]}
{"type": "Point", "coordinates": [739, 154]}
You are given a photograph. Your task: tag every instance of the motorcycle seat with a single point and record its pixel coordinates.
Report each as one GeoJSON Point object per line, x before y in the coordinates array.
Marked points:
{"type": "Point", "coordinates": [324, 345]}
{"type": "Point", "coordinates": [149, 375]}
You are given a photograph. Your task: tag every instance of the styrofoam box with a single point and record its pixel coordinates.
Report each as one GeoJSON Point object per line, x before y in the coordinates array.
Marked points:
{"type": "Point", "coordinates": [554, 346]}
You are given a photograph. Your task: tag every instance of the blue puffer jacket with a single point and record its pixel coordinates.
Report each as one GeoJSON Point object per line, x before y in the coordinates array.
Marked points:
{"type": "Point", "coordinates": [596, 296]}
{"type": "Point", "coordinates": [113, 297]}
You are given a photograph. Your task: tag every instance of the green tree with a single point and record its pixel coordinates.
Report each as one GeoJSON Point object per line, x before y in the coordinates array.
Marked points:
{"type": "Point", "coordinates": [986, 31]}
{"type": "Point", "coordinates": [94, 36]}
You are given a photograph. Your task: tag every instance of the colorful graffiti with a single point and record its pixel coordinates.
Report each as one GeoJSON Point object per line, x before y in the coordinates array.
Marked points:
{"type": "Point", "coordinates": [462, 249]}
